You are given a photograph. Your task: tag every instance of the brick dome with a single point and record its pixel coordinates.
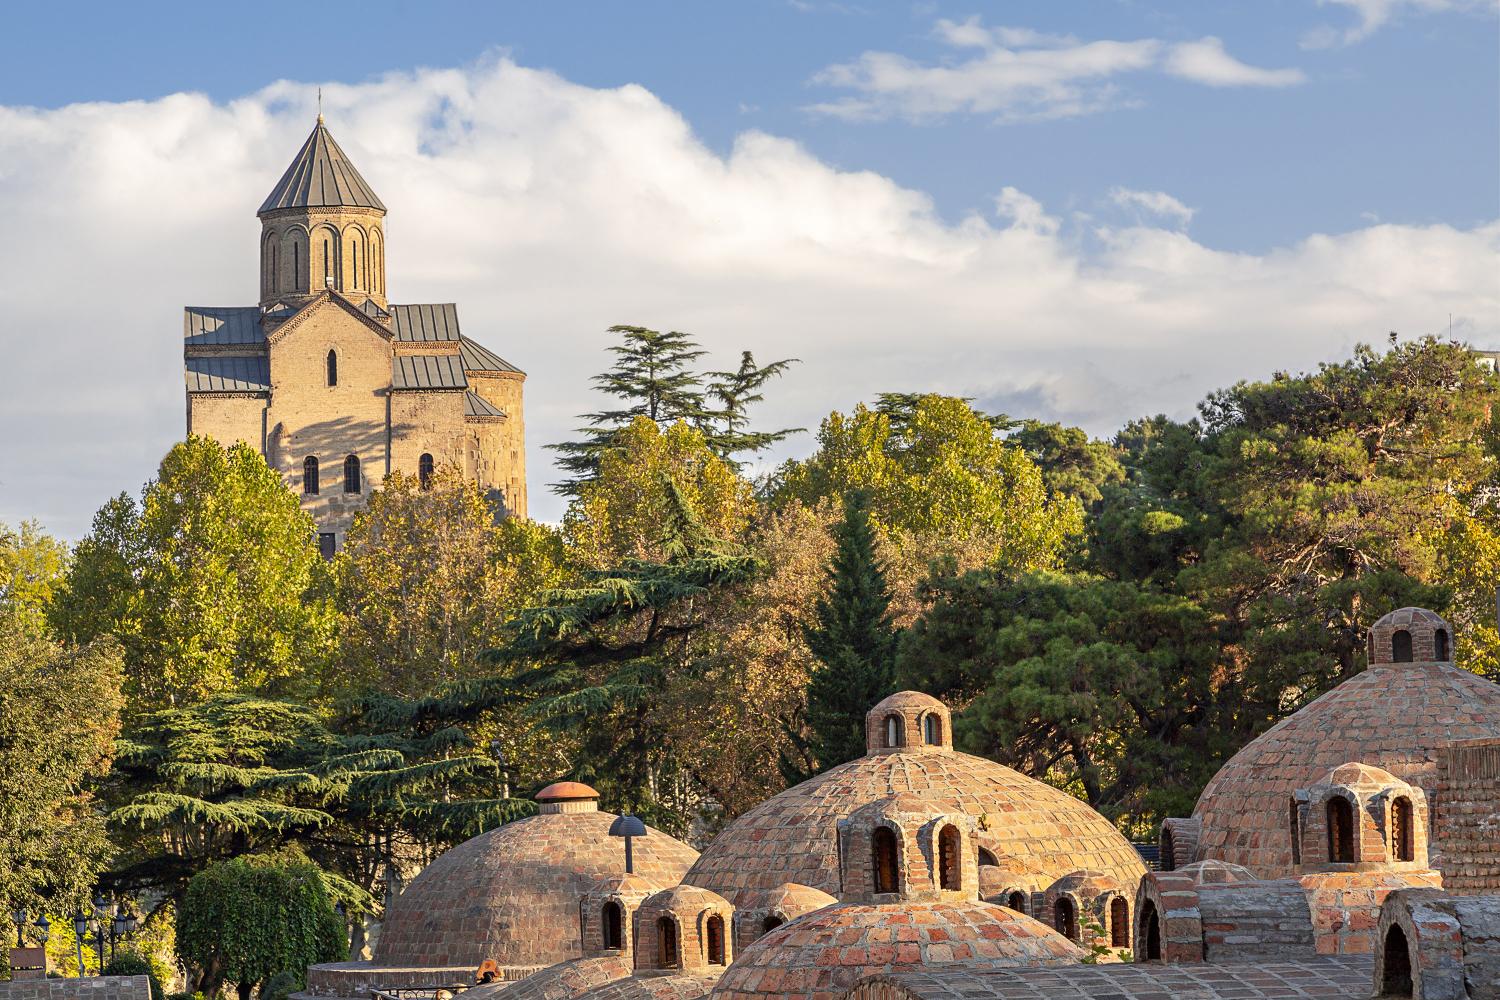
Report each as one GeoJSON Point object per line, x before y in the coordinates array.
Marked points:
{"type": "Point", "coordinates": [1410, 635]}
{"type": "Point", "coordinates": [822, 955]}
{"type": "Point", "coordinates": [653, 987]}
{"type": "Point", "coordinates": [1392, 716]}
{"type": "Point", "coordinates": [792, 837]}
{"type": "Point", "coordinates": [562, 981]}
{"type": "Point", "coordinates": [512, 895]}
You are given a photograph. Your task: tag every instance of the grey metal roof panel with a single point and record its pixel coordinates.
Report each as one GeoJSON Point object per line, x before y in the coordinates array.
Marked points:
{"type": "Point", "coordinates": [321, 176]}
{"type": "Point", "coordinates": [221, 373]}
{"type": "Point", "coordinates": [426, 322]}
{"type": "Point", "coordinates": [481, 359]}
{"type": "Point", "coordinates": [371, 309]}
{"type": "Point", "coordinates": [428, 371]}
{"type": "Point", "coordinates": [221, 325]}
{"type": "Point", "coordinates": [476, 405]}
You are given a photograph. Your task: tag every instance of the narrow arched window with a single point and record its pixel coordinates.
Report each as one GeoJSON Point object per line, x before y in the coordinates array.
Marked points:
{"type": "Point", "coordinates": [614, 925]}
{"type": "Point", "coordinates": [1395, 967]}
{"type": "Point", "coordinates": [275, 268]}
{"type": "Point", "coordinates": [1401, 646]}
{"type": "Point", "coordinates": [1017, 901]}
{"type": "Point", "coordinates": [715, 940]}
{"type": "Point", "coordinates": [296, 265]}
{"type": "Point", "coordinates": [351, 474]}
{"type": "Point", "coordinates": [424, 471]}
{"type": "Point", "coordinates": [893, 731]}
{"type": "Point", "coordinates": [1168, 852]}
{"type": "Point", "coordinates": [1151, 931]}
{"type": "Point", "coordinates": [310, 476]}
{"type": "Point", "coordinates": [1440, 646]}
{"type": "Point", "coordinates": [1119, 923]}
{"type": "Point", "coordinates": [1403, 830]}
{"type": "Point", "coordinates": [949, 874]}
{"type": "Point", "coordinates": [770, 924]}
{"type": "Point", "coordinates": [327, 262]}
{"type": "Point", "coordinates": [932, 729]}
{"type": "Point", "coordinates": [333, 368]}
{"type": "Point", "coordinates": [883, 849]}
{"type": "Point", "coordinates": [1293, 821]}
{"type": "Point", "coordinates": [666, 944]}
{"type": "Point", "coordinates": [1065, 918]}
{"type": "Point", "coordinates": [1340, 831]}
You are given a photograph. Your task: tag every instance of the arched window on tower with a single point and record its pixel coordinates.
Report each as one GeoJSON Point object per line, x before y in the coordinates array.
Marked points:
{"type": "Point", "coordinates": [1340, 831]}
{"type": "Point", "coordinates": [932, 729]}
{"type": "Point", "coordinates": [666, 944]}
{"type": "Point", "coordinates": [351, 474]}
{"type": "Point", "coordinates": [424, 471]}
{"type": "Point", "coordinates": [1440, 646]}
{"type": "Point", "coordinates": [1119, 923]}
{"type": "Point", "coordinates": [949, 872]}
{"type": "Point", "coordinates": [333, 367]}
{"type": "Point", "coordinates": [1401, 646]}
{"type": "Point", "coordinates": [354, 259]}
{"type": "Point", "coordinates": [715, 941]}
{"type": "Point", "coordinates": [297, 277]}
{"type": "Point", "coordinates": [893, 731]}
{"type": "Point", "coordinates": [1403, 830]}
{"type": "Point", "coordinates": [614, 925]}
{"type": "Point", "coordinates": [310, 476]}
{"type": "Point", "coordinates": [883, 860]}
{"type": "Point", "coordinates": [327, 262]}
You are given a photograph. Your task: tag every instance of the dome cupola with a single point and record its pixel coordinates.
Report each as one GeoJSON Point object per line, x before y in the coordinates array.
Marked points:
{"type": "Point", "coordinates": [908, 722]}
{"type": "Point", "coordinates": [1410, 635]}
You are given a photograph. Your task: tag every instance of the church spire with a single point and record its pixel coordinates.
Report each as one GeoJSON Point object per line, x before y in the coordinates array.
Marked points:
{"type": "Point", "coordinates": [321, 176]}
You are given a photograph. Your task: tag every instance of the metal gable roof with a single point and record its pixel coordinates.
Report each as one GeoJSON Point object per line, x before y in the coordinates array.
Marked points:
{"type": "Point", "coordinates": [321, 176]}
{"type": "Point", "coordinates": [476, 405]}
{"type": "Point", "coordinates": [426, 322]}
{"type": "Point", "coordinates": [427, 371]}
{"type": "Point", "coordinates": [482, 359]}
{"type": "Point", "coordinates": [221, 325]}
{"type": "Point", "coordinates": [219, 373]}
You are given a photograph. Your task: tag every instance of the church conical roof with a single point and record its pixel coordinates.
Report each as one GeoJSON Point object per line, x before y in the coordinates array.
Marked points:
{"type": "Point", "coordinates": [321, 176]}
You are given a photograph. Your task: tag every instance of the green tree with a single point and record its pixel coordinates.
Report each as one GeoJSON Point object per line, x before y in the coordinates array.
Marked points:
{"type": "Point", "coordinates": [736, 391]}
{"type": "Point", "coordinates": [59, 715]}
{"type": "Point", "coordinates": [1072, 464]}
{"type": "Point", "coordinates": [32, 564]}
{"type": "Point", "coordinates": [854, 642]}
{"type": "Point", "coordinates": [247, 919]}
{"type": "Point", "coordinates": [212, 582]}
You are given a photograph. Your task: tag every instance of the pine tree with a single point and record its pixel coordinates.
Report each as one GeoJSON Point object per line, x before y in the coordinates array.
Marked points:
{"type": "Point", "coordinates": [736, 391]}
{"type": "Point", "coordinates": [853, 640]}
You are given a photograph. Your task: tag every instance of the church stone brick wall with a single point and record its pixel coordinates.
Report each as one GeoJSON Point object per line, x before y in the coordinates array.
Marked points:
{"type": "Point", "coordinates": [228, 418]}
{"type": "Point", "coordinates": [1468, 809]}
{"type": "Point", "coordinates": [502, 444]}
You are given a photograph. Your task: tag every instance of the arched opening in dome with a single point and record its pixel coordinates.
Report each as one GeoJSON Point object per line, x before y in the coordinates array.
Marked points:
{"type": "Point", "coordinates": [893, 731]}
{"type": "Point", "coordinates": [987, 857]}
{"type": "Point", "coordinates": [1369, 647]}
{"type": "Point", "coordinates": [1016, 901]}
{"type": "Point", "coordinates": [715, 940]}
{"type": "Point", "coordinates": [1150, 944]}
{"type": "Point", "coordinates": [1168, 852]}
{"type": "Point", "coordinates": [1395, 979]}
{"type": "Point", "coordinates": [1403, 830]}
{"type": "Point", "coordinates": [424, 471]}
{"type": "Point", "coordinates": [770, 924]}
{"type": "Point", "coordinates": [932, 729]}
{"type": "Point", "coordinates": [950, 875]}
{"type": "Point", "coordinates": [666, 944]}
{"type": "Point", "coordinates": [1440, 649]}
{"type": "Point", "coordinates": [1296, 829]}
{"type": "Point", "coordinates": [333, 367]}
{"type": "Point", "coordinates": [1401, 646]}
{"type": "Point", "coordinates": [1340, 831]}
{"type": "Point", "coordinates": [1065, 918]}
{"type": "Point", "coordinates": [1119, 923]}
{"type": "Point", "coordinates": [883, 849]}
{"type": "Point", "coordinates": [310, 476]}
{"type": "Point", "coordinates": [614, 925]}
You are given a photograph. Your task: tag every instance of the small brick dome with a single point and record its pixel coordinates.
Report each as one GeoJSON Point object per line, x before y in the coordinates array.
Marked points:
{"type": "Point", "coordinates": [1391, 719]}
{"type": "Point", "coordinates": [909, 722]}
{"type": "Point", "coordinates": [792, 837]}
{"type": "Point", "coordinates": [1215, 873]}
{"type": "Point", "coordinates": [512, 894]}
{"type": "Point", "coordinates": [825, 953]}
{"type": "Point", "coordinates": [1410, 635]}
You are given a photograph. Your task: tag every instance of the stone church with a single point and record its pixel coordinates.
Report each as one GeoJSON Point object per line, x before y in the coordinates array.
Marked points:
{"type": "Point", "coordinates": [337, 386]}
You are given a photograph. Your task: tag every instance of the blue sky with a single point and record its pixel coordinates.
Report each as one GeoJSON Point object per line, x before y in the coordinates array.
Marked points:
{"type": "Point", "coordinates": [1084, 211]}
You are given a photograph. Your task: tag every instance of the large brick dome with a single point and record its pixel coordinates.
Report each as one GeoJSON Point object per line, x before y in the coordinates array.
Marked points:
{"type": "Point", "coordinates": [792, 836]}
{"type": "Point", "coordinates": [1394, 716]}
{"type": "Point", "coordinates": [822, 955]}
{"type": "Point", "coordinates": [511, 895]}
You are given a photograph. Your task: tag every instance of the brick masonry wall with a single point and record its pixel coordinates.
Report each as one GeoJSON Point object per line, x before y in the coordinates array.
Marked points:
{"type": "Point", "coordinates": [1468, 808]}
{"type": "Point", "coordinates": [502, 445]}
{"type": "Point", "coordinates": [86, 988]}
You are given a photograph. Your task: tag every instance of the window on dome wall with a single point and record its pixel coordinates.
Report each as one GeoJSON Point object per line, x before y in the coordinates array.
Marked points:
{"type": "Point", "coordinates": [1403, 830]}
{"type": "Point", "coordinates": [1151, 930]}
{"type": "Point", "coordinates": [1017, 901]}
{"type": "Point", "coordinates": [949, 876]}
{"type": "Point", "coordinates": [614, 925]}
{"type": "Point", "coordinates": [666, 943]}
{"type": "Point", "coordinates": [893, 732]}
{"type": "Point", "coordinates": [1296, 828]}
{"type": "Point", "coordinates": [1119, 923]}
{"type": "Point", "coordinates": [988, 857]}
{"type": "Point", "coordinates": [883, 847]}
{"type": "Point", "coordinates": [1401, 646]}
{"type": "Point", "coordinates": [1066, 918]}
{"type": "Point", "coordinates": [1440, 646]}
{"type": "Point", "coordinates": [1397, 978]}
{"type": "Point", "coordinates": [1340, 831]}
{"type": "Point", "coordinates": [424, 471]}
{"type": "Point", "coordinates": [716, 940]}
{"type": "Point", "coordinates": [932, 729]}
{"type": "Point", "coordinates": [770, 924]}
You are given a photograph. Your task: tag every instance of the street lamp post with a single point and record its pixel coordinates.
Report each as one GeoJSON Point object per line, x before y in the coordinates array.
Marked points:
{"type": "Point", "coordinates": [101, 918]}
{"type": "Point", "coordinates": [80, 931]}
{"type": "Point", "coordinates": [19, 915]}
{"type": "Point", "coordinates": [43, 929]}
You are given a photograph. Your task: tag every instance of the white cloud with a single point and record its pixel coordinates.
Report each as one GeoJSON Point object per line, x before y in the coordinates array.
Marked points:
{"type": "Point", "coordinates": [1371, 15]}
{"type": "Point", "coordinates": [1017, 74]}
{"type": "Point", "coordinates": [549, 210]}
{"type": "Point", "coordinates": [1153, 203]}
{"type": "Point", "coordinates": [1206, 62]}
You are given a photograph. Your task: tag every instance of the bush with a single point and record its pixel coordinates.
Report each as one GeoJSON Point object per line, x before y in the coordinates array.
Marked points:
{"type": "Point", "coordinates": [281, 986]}
{"type": "Point", "coordinates": [128, 963]}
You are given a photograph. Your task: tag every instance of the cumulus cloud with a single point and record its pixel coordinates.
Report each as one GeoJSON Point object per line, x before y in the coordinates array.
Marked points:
{"type": "Point", "coordinates": [1371, 15]}
{"type": "Point", "coordinates": [1018, 75]}
{"type": "Point", "coordinates": [1156, 204]}
{"type": "Point", "coordinates": [550, 210]}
